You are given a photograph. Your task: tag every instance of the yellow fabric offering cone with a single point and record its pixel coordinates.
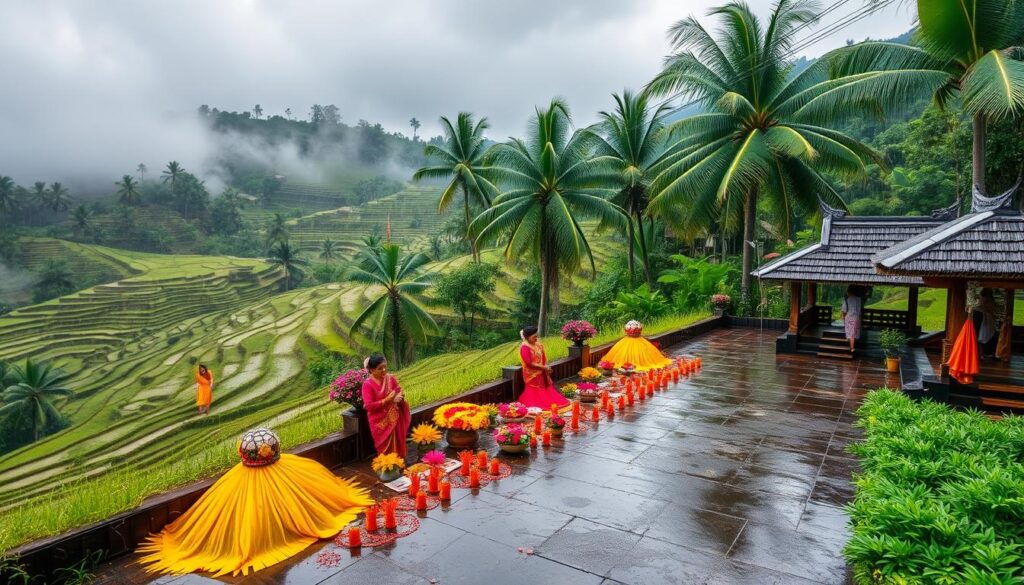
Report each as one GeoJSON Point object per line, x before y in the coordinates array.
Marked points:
{"type": "Point", "coordinates": [634, 349]}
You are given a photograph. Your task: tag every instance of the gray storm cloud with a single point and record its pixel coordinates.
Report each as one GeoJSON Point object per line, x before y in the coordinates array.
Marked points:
{"type": "Point", "coordinates": [91, 89]}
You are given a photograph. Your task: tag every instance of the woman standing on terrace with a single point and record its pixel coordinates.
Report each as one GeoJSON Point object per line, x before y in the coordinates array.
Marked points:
{"type": "Point", "coordinates": [386, 408]}
{"type": "Point", "coordinates": [853, 307]}
{"type": "Point", "coordinates": [204, 389]}
{"type": "Point", "coordinates": [540, 389]}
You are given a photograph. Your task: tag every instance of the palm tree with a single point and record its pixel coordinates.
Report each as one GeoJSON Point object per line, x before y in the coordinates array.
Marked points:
{"type": "Point", "coordinates": [282, 254]}
{"type": "Point", "coordinates": [40, 196]}
{"type": "Point", "coordinates": [80, 218]}
{"type": "Point", "coordinates": [328, 250]}
{"type": "Point", "coordinates": [436, 247]}
{"type": "Point", "coordinates": [141, 169]}
{"type": "Point", "coordinates": [127, 192]}
{"type": "Point", "coordinates": [396, 318]}
{"type": "Point", "coordinates": [58, 198]}
{"type": "Point", "coordinates": [277, 231]}
{"type": "Point", "coordinates": [632, 136]}
{"type": "Point", "coordinates": [372, 242]}
{"type": "Point", "coordinates": [752, 139]}
{"type": "Point", "coordinates": [551, 183]}
{"type": "Point", "coordinates": [172, 172]}
{"type": "Point", "coordinates": [460, 161]}
{"type": "Point", "coordinates": [257, 111]}
{"type": "Point", "coordinates": [972, 49]}
{"type": "Point", "coordinates": [8, 195]}
{"type": "Point", "coordinates": [415, 126]}
{"type": "Point", "coordinates": [32, 391]}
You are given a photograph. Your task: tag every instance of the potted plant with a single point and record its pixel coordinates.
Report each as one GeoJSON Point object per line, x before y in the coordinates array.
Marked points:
{"type": "Point", "coordinates": [512, 412]}
{"type": "Point", "coordinates": [556, 424]}
{"type": "Point", "coordinates": [587, 391]}
{"type": "Point", "coordinates": [568, 390]}
{"type": "Point", "coordinates": [589, 374]}
{"type": "Point", "coordinates": [388, 466]}
{"type": "Point", "coordinates": [462, 420]}
{"type": "Point", "coordinates": [892, 342]}
{"type": "Point", "coordinates": [607, 368]}
{"type": "Point", "coordinates": [578, 332]}
{"type": "Point", "coordinates": [720, 302]}
{"type": "Point", "coordinates": [512, 438]}
{"type": "Point", "coordinates": [426, 437]}
{"type": "Point", "coordinates": [348, 389]}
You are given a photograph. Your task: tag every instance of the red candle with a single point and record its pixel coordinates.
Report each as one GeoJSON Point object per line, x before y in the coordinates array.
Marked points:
{"type": "Point", "coordinates": [595, 415]}
{"type": "Point", "coordinates": [467, 461]}
{"type": "Point", "coordinates": [414, 485]}
{"type": "Point", "coordinates": [533, 441]}
{"type": "Point", "coordinates": [575, 421]}
{"type": "Point", "coordinates": [390, 521]}
{"type": "Point", "coordinates": [474, 478]}
{"type": "Point", "coordinates": [481, 459]}
{"type": "Point", "coordinates": [554, 409]}
{"type": "Point", "coordinates": [495, 467]}
{"type": "Point", "coordinates": [611, 411]}
{"type": "Point", "coordinates": [421, 501]}
{"type": "Point", "coordinates": [650, 391]}
{"type": "Point", "coordinates": [547, 438]}
{"type": "Point", "coordinates": [675, 376]}
{"type": "Point", "coordinates": [629, 398]}
{"type": "Point", "coordinates": [576, 409]}
{"type": "Point", "coordinates": [622, 402]}
{"type": "Point", "coordinates": [355, 539]}
{"type": "Point", "coordinates": [371, 519]}
{"type": "Point", "coordinates": [446, 490]}
{"type": "Point", "coordinates": [641, 395]}
{"type": "Point", "coordinates": [432, 480]}
{"type": "Point", "coordinates": [537, 424]}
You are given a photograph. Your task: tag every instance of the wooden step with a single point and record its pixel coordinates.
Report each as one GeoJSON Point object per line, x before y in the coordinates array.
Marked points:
{"type": "Point", "coordinates": [1017, 405]}
{"type": "Point", "coordinates": [844, 355]}
{"type": "Point", "coordinates": [1001, 388]}
{"type": "Point", "coordinates": [833, 334]}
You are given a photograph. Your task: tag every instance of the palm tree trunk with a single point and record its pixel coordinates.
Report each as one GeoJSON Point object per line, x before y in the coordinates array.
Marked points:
{"type": "Point", "coordinates": [542, 314]}
{"type": "Point", "coordinates": [643, 253]}
{"type": "Point", "coordinates": [396, 332]}
{"type": "Point", "coordinates": [629, 258]}
{"type": "Point", "coordinates": [978, 130]}
{"type": "Point", "coordinates": [749, 215]}
{"type": "Point", "coordinates": [469, 238]}
{"type": "Point", "coordinates": [553, 278]}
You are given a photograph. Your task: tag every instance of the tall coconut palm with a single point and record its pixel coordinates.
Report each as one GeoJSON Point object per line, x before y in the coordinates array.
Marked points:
{"type": "Point", "coordinates": [460, 161]}
{"type": "Point", "coordinates": [632, 136]}
{"type": "Point", "coordinates": [40, 197]}
{"type": "Point", "coordinates": [415, 126]}
{"type": "Point", "coordinates": [172, 172]}
{"type": "Point", "coordinates": [32, 391]}
{"type": "Point", "coordinates": [396, 318]}
{"type": "Point", "coordinates": [142, 169]}
{"type": "Point", "coordinates": [752, 141]}
{"type": "Point", "coordinates": [328, 250]}
{"type": "Point", "coordinates": [971, 49]}
{"type": "Point", "coordinates": [282, 254]}
{"type": "Point", "coordinates": [8, 195]}
{"type": "Point", "coordinates": [550, 182]}
{"type": "Point", "coordinates": [277, 231]}
{"type": "Point", "coordinates": [81, 218]}
{"type": "Point", "coordinates": [127, 190]}
{"type": "Point", "coordinates": [58, 198]}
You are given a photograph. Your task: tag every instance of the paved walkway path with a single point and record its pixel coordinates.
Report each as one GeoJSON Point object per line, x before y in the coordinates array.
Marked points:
{"type": "Point", "coordinates": [735, 475]}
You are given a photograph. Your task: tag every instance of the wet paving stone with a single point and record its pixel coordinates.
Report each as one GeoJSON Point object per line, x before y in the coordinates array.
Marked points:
{"type": "Point", "coordinates": [696, 528]}
{"type": "Point", "coordinates": [789, 551]}
{"type": "Point", "coordinates": [588, 546]}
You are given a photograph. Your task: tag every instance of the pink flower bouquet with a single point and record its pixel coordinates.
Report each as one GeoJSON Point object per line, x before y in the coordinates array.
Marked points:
{"type": "Point", "coordinates": [348, 388]}
{"type": "Point", "coordinates": [512, 410]}
{"type": "Point", "coordinates": [511, 434]}
{"type": "Point", "coordinates": [578, 331]}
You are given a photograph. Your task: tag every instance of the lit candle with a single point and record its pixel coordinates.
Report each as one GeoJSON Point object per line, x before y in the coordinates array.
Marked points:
{"type": "Point", "coordinates": [495, 467]}
{"type": "Point", "coordinates": [537, 424]}
{"type": "Point", "coordinates": [547, 438]}
{"type": "Point", "coordinates": [474, 478]}
{"type": "Point", "coordinates": [371, 519]}
{"type": "Point", "coordinates": [554, 409]}
{"type": "Point", "coordinates": [622, 402]}
{"type": "Point", "coordinates": [432, 480]}
{"type": "Point", "coordinates": [611, 411]}
{"type": "Point", "coordinates": [650, 391]}
{"type": "Point", "coordinates": [390, 521]}
{"type": "Point", "coordinates": [481, 459]}
{"type": "Point", "coordinates": [595, 415]}
{"type": "Point", "coordinates": [640, 395]}
{"type": "Point", "coordinates": [414, 485]}
{"type": "Point", "coordinates": [675, 376]}
{"type": "Point", "coordinates": [446, 490]}
{"type": "Point", "coordinates": [533, 441]}
{"type": "Point", "coordinates": [576, 409]}
{"type": "Point", "coordinates": [421, 501]}
{"type": "Point", "coordinates": [575, 424]}
{"type": "Point", "coordinates": [467, 461]}
{"type": "Point", "coordinates": [629, 398]}
{"type": "Point", "coordinates": [355, 539]}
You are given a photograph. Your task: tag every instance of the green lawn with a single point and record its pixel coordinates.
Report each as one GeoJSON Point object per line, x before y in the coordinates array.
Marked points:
{"type": "Point", "coordinates": [931, 307]}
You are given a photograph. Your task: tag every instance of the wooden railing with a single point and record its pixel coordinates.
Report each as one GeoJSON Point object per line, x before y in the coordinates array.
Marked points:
{"type": "Point", "coordinates": [814, 316]}
{"type": "Point", "coordinates": [885, 319]}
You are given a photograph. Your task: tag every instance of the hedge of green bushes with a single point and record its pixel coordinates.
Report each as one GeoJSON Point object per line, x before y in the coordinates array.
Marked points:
{"type": "Point", "coordinates": [941, 496]}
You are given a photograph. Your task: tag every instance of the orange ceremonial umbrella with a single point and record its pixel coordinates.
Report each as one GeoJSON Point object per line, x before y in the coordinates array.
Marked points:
{"type": "Point", "coordinates": [963, 360]}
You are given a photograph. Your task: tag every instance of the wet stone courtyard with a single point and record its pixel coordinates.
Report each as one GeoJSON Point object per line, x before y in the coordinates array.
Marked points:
{"type": "Point", "coordinates": [737, 474]}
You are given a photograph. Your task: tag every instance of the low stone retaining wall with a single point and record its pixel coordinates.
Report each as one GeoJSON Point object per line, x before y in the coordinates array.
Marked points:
{"type": "Point", "coordinates": [120, 534]}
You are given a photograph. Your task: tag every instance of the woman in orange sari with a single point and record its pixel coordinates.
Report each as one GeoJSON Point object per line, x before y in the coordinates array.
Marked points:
{"type": "Point", "coordinates": [540, 390]}
{"type": "Point", "coordinates": [386, 408]}
{"type": "Point", "coordinates": [204, 389]}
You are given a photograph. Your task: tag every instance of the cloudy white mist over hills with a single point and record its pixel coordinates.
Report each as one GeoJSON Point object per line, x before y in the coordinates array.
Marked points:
{"type": "Point", "coordinates": [94, 88]}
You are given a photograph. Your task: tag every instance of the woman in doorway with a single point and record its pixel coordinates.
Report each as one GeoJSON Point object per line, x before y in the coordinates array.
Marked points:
{"type": "Point", "coordinates": [539, 391]}
{"type": "Point", "coordinates": [204, 389]}
{"type": "Point", "coordinates": [386, 408]}
{"type": "Point", "coordinates": [853, 307]}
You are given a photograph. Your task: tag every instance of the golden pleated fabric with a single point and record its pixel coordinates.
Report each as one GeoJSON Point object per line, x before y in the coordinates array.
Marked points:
{"type": "Point", "coordinates": [1004, 347]}
{"type": "Point", "coordinates": [254, 517]}
{"type": "Point", "coordinates": [637, 351]}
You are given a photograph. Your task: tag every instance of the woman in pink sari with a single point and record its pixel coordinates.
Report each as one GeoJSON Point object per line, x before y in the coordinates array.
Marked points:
{"type": "Point", "coordinates": [386, 408]}
{"type": "Point", "coordinates": [540, 390]}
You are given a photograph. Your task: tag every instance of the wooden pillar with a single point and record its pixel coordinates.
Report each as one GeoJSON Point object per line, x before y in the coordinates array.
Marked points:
{"type": "Point", "coordinates": [912, 309]}
{"type": "Point", "coordinates": [812, 294]}
{"type": "Point", "coordinates": [794, 307]}
{"type": "Point", "coordinates": [1008, 315]}
{"type": "Point", "coordinates": [956, 315]}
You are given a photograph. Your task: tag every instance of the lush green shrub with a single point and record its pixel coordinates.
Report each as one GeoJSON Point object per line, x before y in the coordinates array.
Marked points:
{"type": "Point", "coordinates": [892, 342]}
{"type": "Point", "coordinates": [941, 496]}
{"type": "Point", "coordinates": [325, 366]}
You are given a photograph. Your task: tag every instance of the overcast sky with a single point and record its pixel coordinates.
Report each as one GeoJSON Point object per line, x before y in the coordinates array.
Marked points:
{"type": "Point", "coordinates": [94, 88]}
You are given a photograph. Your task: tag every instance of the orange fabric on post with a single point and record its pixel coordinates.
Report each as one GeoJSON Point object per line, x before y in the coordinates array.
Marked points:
{"type": "Point", "coordinates": [254, 517]}
{"type": "Point", "coordinates": [963, 359]}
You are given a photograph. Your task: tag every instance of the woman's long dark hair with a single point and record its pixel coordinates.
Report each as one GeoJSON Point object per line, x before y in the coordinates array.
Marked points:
{"type": "Point", "coordinates": [374, 360]}
{"type": "Point", "coordinates": [529, 330]}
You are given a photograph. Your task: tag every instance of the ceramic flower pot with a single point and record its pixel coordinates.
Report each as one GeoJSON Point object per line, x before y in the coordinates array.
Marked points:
{"type": "Point", "coordinates": [513, 449]}
{"type": "Point", "coordinates": [892, 364]}
{"type": "Point", "coordinates": [390, 475]}
{"type": "Point", "coordinates": [460, 439]}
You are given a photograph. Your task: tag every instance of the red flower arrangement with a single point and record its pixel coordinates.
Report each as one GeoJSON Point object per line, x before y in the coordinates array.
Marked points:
{"type": "Point", "coordinates": [511, 434]}
{"type": "Point", "coordinates": [578, 331]}
{"type": "Point", "coordinates": [720, 301]}
{"type": "Point", "coordinates": [348, 388]}
{"type": "Point", "coordinates": [512, 410]}
{"type": "Point", "coordinates": [606, 365]}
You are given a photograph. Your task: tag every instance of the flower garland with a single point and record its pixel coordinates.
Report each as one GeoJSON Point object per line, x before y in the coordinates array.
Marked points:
{"type": "Point", "coordinates": [462, 416]}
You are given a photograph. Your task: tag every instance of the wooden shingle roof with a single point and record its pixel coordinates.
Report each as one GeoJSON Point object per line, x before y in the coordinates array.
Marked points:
{"type": "Point", "coordinates": [986, 244]}
{"type": "Point", "coordinates": [844, 253]}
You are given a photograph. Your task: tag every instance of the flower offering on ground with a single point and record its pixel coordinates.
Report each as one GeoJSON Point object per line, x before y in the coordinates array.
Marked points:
{"type": "Point", "coordinates": [462, 416]}
{"type": "Point", "coordinates": [588, 388]}
{"type": "Point", "coordinates": [568, 390]}
{"type": "Point", "coordinates": [578, 331]}
{"type": "Point", "coordinates": [512, 410]}
{"type": "Point", "coordinates": [589, 374]}
{"type": "Point", "coordinates": [425, 434]}
{"type": "Point", "coordinates": [627, 367]}
{"type": "Point", "coordinates": [512, 434]}
{"type": "Point", "coordinates": [348, 388]}
{"type": "Point", "coordinates": [387, 462]}
{"type": "Point", "coordinates": [434, 457]}
{"type": "Point", "coordinates": [556, 422]}
{"type": "Point", "coordinates": [606, 365]}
